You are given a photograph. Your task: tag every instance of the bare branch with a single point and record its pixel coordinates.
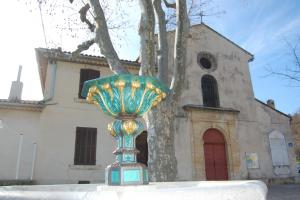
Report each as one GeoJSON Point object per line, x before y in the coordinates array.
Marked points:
{"type": "Point", "coordinates": [181, 36]}
{"type": "Point", "coordinates": [296, 54]}
{"type": "Point", "coordinates": [291, 72]}
{"type": "Point", "coordinates": [162, 52]}
{"type": "Point", "coordinates": [103, 39]}
{"type": "Point", "coordinates": [147, 38]}
{"type": "Point", "coordinates": [170, 5]}
{"type": "Point", "coordinates": [83, 11]}
{"type": "Point", "coordinates": [287, 74]}
{"type": "Point", "coordinates": [82, 47]}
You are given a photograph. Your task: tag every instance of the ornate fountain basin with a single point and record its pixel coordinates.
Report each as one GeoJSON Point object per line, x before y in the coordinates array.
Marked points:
{"type": "Point", "coordinates": [125, 97]}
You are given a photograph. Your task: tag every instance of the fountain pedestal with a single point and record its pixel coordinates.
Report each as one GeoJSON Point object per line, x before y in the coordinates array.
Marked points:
{"type": "Point", "coordinates": [126, 170]}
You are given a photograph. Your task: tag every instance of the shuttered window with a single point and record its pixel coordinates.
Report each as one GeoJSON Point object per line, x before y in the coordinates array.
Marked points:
{"type": "Point", "coordinates": [85, 146]}
{"type": "Point", "coordinates": [85, 75]}
{"type": "Point", "coordinates": [278, 149]}
{"type": "Point", "coordinates": [210, 91]}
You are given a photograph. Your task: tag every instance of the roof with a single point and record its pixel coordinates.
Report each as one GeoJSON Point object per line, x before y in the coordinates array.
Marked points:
{"type": "Point", "coordinates": [247, 52]}
{"type": "Point", "coordinates": [22, 105]}
{"type": "Point", "coordinates": [44, 55]}
{"type": "Point", "coordinates": [286, 115]}
{"type": "Point", "coordinates": [201, 107]}
{"type": "Point", "coordinates": [222, 36]}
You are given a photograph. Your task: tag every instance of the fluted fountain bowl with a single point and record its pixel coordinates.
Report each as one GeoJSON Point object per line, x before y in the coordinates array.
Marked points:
{"type": "Point", "coordinates": [125, 94]}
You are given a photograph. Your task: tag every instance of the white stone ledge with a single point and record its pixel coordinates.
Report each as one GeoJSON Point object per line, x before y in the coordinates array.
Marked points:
{"type": "Point", "coordinates": [86, 167]}
{"type": "Point", "coordinates": [206, 190]}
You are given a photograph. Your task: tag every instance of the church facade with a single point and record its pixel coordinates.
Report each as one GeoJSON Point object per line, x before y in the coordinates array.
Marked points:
{"type": "Point", "coordinates": [224, 133]}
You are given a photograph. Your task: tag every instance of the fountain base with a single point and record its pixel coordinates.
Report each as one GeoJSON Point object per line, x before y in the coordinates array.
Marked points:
{"type": "Point", "coordinates": [126, 174]}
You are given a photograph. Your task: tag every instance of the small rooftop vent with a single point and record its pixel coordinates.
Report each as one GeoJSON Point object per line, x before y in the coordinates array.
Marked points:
{"type": "Point", "coordinates": [271, 103]}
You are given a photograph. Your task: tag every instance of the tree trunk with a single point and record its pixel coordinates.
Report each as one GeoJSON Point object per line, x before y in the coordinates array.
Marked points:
{"type": "Point", "coordinates": [161, 120]}
{"type": "Point", "coordinates": [161, 157]}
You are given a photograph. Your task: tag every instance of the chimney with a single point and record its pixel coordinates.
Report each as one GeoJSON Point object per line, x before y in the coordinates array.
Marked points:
{"type": "Point", "coordinates": [16, 88]}
{"type": "Point", "coordinates": [271, 103]}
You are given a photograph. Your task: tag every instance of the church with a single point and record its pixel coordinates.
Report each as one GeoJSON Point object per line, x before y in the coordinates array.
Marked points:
{"type": "Point", "coordinates": [225, 133]}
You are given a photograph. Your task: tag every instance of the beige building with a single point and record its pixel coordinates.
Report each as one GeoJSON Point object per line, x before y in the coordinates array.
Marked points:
{"type": "Point", "coordinates": [225, 133]}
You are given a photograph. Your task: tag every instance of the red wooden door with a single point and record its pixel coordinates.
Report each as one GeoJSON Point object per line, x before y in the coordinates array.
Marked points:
{"type": "Point", "coordinates": [215, 155]}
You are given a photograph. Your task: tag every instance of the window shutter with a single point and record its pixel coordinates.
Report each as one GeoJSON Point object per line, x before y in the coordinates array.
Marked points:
{"type": "Point", "coordinates": [86, 74]}
{"type": "Point", "coordinates": [85, 146]}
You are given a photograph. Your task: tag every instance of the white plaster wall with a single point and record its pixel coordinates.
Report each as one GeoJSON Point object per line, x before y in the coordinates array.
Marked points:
{"type": "Point", "coordinates": [59, 122]}
{"type": "Point", "coordinates": [17, 122]}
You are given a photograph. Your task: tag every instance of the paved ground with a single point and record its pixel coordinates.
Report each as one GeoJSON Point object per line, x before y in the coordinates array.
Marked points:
{"type": "Point", "coordinates": [284, 192]}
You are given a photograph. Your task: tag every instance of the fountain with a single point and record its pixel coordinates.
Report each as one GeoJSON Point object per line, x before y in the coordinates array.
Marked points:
{"type": "Point", "coordinates": [125, 97]}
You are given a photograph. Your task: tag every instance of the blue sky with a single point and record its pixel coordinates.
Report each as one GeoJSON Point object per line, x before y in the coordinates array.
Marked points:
{"type": "Point", "coordinates": [261, 27]}
{"type": "Point", "coordinates": [258, 26]}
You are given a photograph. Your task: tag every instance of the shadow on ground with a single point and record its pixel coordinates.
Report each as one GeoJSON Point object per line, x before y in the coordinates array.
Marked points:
{"type": "Point", "coordinates": [284, 192]}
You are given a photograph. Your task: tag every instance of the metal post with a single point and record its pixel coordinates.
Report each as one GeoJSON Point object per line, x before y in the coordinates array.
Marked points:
{"type": "Point", "coordinates": [33, 160]}
{"type": "Point", "coordinates": [19, 156]}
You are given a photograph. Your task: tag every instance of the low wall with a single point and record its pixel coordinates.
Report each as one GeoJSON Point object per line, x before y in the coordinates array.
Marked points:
{"type": "Point", "coordinates": [208, 190]}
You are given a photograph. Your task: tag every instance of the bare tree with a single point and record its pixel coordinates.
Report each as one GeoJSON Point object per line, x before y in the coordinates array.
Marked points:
{"type": "Point", "coordinates": [161, 121]}
{"type": "Point", "coordinates": [290, 72]}
{"type": "Point", "coordinates": [67, 20]}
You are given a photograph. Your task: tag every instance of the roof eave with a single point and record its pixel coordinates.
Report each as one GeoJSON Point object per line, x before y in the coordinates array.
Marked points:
{"type": "Point", "coordinates": [22, 106]}
{"type": "Point", "coordinates": [282, 113]}
{"type": "Point", "coordinates": [201, 107]}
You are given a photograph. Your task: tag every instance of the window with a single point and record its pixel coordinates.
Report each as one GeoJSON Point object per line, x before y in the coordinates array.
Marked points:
{"type": "Point", "coordinates": [85, 146]}
{"type": "Point", "coordinates": [210, 91]}
{"type": "Point", "coordinates": [207, 61]}
{"type": "Point", "coordinates": [86, 74]}
{"type": "Point", "coordinates": [278, 149]}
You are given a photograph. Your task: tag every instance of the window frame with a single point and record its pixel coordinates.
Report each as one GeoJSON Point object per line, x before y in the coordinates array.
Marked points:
{"type": "Point", "coordinates": [209, 57]}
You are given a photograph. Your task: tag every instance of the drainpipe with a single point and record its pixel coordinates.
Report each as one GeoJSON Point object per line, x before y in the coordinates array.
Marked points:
{"type": "Point", "coordinates": [33, 160]}
{"type": "Point", "coordinates": [19, 156]}
{"type": "Point", "coordinates": [50, 81]}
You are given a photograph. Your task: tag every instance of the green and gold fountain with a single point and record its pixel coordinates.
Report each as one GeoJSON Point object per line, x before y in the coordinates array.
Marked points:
{"type": "Point", "coordinates": [125, 97]}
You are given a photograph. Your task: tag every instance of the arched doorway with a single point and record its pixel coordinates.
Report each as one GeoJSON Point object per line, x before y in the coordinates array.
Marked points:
{"type": "Point", "coordinates": [215, 155]}
{"type": "Point", "coordinates": [142, 145]}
